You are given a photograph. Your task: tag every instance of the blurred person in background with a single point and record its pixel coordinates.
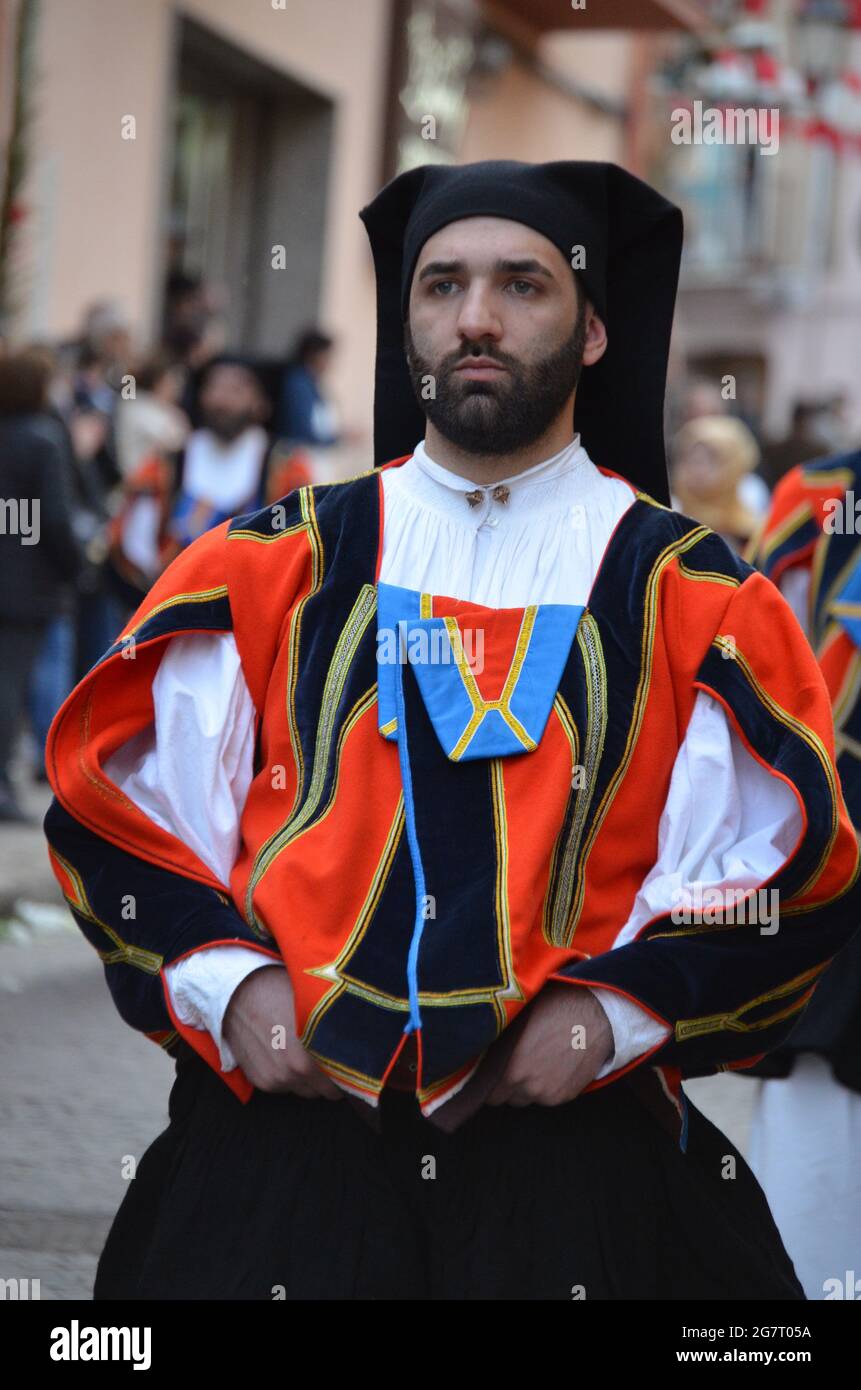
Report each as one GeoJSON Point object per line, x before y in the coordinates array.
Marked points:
{"type": "Point", "coordinates": [805, 1137]}
{"type": "Point", "coordinates": [699, 397]}
{"type": "Point", "coordinates": [192, 305]}
{"type": "Point", "coordinates": [194, 349]}
{"type": "Point", "coordinates": [817, 428]}
{"type": "Point", "coordinates": [710, 457]}
{"type": "Point", "coordinates": [222, 469]}
{"type": "Point", "coordinates": [106, 340]}
{"type": "Point", "coordinates": [151, 421]}
{"type": "Point", "coordinates": [194, 332]}
{"type": "Point", "coordinates": [40, 556]}
{"type": "Point", "coordinates": [832, 424]}
{"type": "Point", "coordinates": [91, 392]}
{"type": "Point", "coordinates": [227, 465]}
{"type": "Point", "coordinates": [186, 304]}
{"type": "Point", "coordinates": [304, 415]}
{"type": "Point", "coordinates": [103, 353]}
{"type": "Point", "coordinates": [150, 431]}
{"type": "Point", "coordinates": [83, 434]}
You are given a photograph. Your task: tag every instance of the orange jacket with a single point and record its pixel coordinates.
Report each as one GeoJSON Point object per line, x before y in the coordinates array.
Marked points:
{"type": "Point", "coordinates": [410, 888]}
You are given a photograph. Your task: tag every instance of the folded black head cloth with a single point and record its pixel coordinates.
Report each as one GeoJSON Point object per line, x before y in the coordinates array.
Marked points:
{"type": "Point", "coordinates": [632, 239]}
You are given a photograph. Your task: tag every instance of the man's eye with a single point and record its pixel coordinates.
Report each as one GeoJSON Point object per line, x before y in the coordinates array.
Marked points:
{"type": "Point", "coordinates": [521, 285]}
{"type": "Point", "coordinates": [442, 285]}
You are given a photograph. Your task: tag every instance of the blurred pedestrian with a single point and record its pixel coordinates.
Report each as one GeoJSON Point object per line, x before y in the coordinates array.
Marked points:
{"type": "Point", "coordinates": [151, 421]}
{"type": "Point", "coordinates": [40, 556]}
{"type": "Point", "coordinates": [229, 465]}
{"type": "Point", "coordinates": [711, 456]}
{"type": "Point", "coordinates": [814, 429]}
{"type": "Point", "coordinates": [106, 339]}
{"type": "Point", "coordinates": [55, 668]}
{"type": "Point", "coordinates": [102, 358]}
{"type": "Point", "coordinates": [698, 397]}
{"type": "Point", "coordinates": [222, 468]}
{"type": "Point", "coordinates": [305, 415]}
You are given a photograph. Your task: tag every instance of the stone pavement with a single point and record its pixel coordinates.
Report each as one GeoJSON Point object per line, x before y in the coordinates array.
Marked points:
{"type": "Point", "coordinates": [80, 1090]}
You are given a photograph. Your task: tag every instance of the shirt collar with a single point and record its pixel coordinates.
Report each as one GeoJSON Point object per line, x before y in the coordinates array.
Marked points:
{"type": "Point", "coordinates": [572, 457]}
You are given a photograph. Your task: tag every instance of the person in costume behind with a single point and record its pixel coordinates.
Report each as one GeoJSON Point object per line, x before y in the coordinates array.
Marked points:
{"type": "Point", "coordinates": [222, 466]}
{"type": "Point", "coordinates": [414, 781]}
{"type": "Point", "coordinates": [173, 494]}
{"type": "Point", "coordinates": [805, 1138]}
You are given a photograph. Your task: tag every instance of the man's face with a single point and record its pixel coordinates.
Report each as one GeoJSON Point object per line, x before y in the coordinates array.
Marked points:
{"type": "Point", "coordinates": [230, 401]}
{"type": "Point", "coordinates": [496, 334]}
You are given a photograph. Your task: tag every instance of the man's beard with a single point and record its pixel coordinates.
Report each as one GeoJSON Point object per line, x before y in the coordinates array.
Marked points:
{"type": "Point", "coordinates": [227, 427]}
{"type": "Point", "coordinates": [497, 417]}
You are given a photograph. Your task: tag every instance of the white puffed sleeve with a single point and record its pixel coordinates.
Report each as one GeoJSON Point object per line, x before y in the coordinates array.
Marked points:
{"type": "Point", "coordinates": [190, 773]}
{"type": "Point", "coordinates": [727, 823]}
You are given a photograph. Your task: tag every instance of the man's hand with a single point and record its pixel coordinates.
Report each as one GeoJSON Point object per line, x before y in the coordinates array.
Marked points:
{"type": "Point", "coordinates": [564, 1044]}
{"type": "Point", "coordinates": [259, 1016]}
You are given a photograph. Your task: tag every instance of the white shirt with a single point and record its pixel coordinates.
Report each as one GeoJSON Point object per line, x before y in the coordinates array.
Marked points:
{"type": "Point", "coordinates": [224, 473]}
{"type": "Point", "coordinates": [727, 821]}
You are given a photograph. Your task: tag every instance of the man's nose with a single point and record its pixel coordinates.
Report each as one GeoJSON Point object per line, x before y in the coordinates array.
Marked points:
{"type": "Point", "coordinates": [478, 318]}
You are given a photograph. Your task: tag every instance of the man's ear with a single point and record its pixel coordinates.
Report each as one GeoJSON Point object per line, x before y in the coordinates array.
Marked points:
{"type": "Point", "coordinates": [596, 337]}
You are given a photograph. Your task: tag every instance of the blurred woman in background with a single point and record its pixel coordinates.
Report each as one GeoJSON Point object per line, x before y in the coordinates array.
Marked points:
{"type": "Point", "coordinates": [711, 458]}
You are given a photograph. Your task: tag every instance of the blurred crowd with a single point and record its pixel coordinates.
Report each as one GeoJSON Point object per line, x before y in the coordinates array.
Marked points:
{"type": "Point", "coordinates": [722, 471]}
{"type": "Point", "coordinates": [112, 460]}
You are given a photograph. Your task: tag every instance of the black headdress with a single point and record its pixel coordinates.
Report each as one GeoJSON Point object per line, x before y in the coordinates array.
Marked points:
{"type": "Point", "coordinates": [631, 239]}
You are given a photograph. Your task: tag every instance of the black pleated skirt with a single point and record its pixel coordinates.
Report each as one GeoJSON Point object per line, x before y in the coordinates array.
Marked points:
{"type": "Point", "coordinates": [300, 1199]}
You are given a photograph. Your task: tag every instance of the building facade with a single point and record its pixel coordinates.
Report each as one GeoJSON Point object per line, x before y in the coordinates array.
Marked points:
{"type": "Point", "coordinates": [239, 141]}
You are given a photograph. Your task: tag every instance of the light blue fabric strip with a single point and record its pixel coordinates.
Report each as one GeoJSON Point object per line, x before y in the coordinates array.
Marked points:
{"type": "Point", "coordinates": [413, 842]}
{"type": "Point", "coordinates": [393, 605]}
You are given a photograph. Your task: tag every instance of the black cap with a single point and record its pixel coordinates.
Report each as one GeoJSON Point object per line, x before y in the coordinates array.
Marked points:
{"type": "Point", "coordinates": [631, 239]}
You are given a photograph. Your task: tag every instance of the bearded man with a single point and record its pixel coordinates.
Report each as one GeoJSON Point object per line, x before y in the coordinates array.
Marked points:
{"type": "Point", "coordinates": [414, 785]}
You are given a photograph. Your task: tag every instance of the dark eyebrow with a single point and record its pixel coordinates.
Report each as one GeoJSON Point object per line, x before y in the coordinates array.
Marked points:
{"type": "Point", "coordinates": [524, 267]}
{"type": "Point", "coordinates": [440, 268]}
{"type": "Point", "coordinates": [527, 266]}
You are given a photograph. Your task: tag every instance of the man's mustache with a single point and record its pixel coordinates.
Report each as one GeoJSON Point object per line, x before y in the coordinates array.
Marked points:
{"type": "Point", "coordinates": [462, 359]}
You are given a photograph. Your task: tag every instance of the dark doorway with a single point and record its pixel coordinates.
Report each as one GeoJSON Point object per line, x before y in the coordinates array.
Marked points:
{"type": "Point", "coordinates": [249, 170]}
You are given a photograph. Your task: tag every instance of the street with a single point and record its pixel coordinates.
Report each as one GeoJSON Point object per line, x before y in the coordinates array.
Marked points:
{"type": "Point", "coordinates": [80, 1089]}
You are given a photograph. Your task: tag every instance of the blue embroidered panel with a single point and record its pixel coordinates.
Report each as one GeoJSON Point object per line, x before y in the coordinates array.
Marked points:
{"type": "Point", "coordinates": [467, 725]}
